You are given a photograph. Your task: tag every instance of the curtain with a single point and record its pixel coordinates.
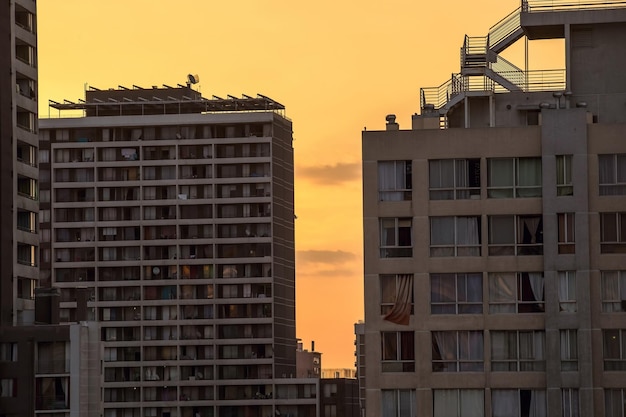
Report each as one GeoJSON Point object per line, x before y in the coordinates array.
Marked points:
{"type": "Point", "coordinates": [567, 291]}
{"type": "Point", "coordinates": [389, 403]}
{"type": "Point", "coordinates": [472, 403]}
{"type": "Point", "coordinates": [471, 351]}
{"type": "Point", "coordinates": [468, 234]}
{"type": "Point", "coordinates": [613, 403]}
{"type": "Point", "coordinates": [536, 283]}
{"type": "Point", "coordinates": [401, 311]}
{"type": "Point", "coordinates": [442, 234]}
{"type": "Point", "coordinates": [390, 177]}
{"type": "Point", "coordinates": [500, 177]}
{"type": "Point", "coordinates": [531, 351]}
{"type": "Point", "coordinates": [503, 351]}
{"type": "Point", "coordinates": [502, 292]}
{"type": "Point", "coordinates": [446, 403]}
{"type": "Point", "coordinates": [505, 403]}
{"type": "Point", "coordinates": [537, 406]}
{"type": "Point", "coordinates": [444, 352]}
{"type": "Point", "coordinates": [529, 177]}
{"type": "Point", "coordinates": [569, 350]}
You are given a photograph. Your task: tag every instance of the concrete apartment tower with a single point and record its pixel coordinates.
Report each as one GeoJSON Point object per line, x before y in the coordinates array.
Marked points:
{"type": "Point", "coordinates": [176, 212]}
{"type": "Point", "coordinates": [495, 231]}
{"type": "Point", "coordinates": [19, 232]}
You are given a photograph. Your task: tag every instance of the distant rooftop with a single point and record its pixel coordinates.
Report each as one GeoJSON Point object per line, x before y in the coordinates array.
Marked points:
{"type": "Point", "coordinates": [181, 99]}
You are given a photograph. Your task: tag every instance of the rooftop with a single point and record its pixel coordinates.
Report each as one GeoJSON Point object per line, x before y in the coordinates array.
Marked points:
{"type": "Point", "coordinates": [181, 99]}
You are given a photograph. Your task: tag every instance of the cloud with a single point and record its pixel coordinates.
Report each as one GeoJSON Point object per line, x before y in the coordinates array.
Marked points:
{"type": "Point", "coordinates": [330, 174]}
{"type": "Point", "coordinates": [327, 257]}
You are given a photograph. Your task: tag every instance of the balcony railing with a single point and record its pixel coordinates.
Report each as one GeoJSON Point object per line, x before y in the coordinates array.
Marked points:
{"type": "Point", "coordinates": [533, 6]}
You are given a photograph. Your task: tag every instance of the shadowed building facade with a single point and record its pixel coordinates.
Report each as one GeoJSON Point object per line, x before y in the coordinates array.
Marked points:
{"type": "Point", "coordinates": [494, 231]}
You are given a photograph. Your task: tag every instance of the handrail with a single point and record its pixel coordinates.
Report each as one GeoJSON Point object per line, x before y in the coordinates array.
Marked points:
{"type": "Point", "coordinates": [504, 28]}
{"type": "Point", "coordinates": [530, 6]}
{"type": "Point", "coordinates": [509, 71]}
{"type": "Point", "coordinates": [527, 81]}
{"type": "Point", "coordinates": [474, 51]}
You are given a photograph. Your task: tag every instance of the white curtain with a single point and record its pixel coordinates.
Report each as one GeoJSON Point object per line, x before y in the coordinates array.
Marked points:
{"type": "Point", "coordinates": [472, 403]}
{"type": "Point", "coordinates": [505, 403]}
{"type": "Point", "coordinates": [611, 295]}
{"type": "Point", "coordinates": [567, 291]}
{"type": "Point", "coordinates": [468, 234]}
{"type": "Point", "coordinates": [531, 351]}
{"type": "Point", "coordinates": [445, 344]}
{"type": "Point", "coordinates": [529, 177]}
{"type": "Point", "coordinates": [537, 404]}
{"type": "Point", "coordinates": [400, 313]}
{"type": "Point", "coordinates": [536, 283]}
{"type": "Point", "coordinates": [446, 403]}
{"type": "Point", "coordinates": [502, 292]}
{"type": "Point", "coordinates": [387, 180]}
{"type": "Point", "coordinates": [569, 350]}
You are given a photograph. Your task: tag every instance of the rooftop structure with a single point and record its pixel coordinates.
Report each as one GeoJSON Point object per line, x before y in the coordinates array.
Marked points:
{"type": "Point", "coordinates": [493, 242]}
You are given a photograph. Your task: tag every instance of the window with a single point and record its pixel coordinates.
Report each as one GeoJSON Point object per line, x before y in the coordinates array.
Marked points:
{"type": "Point", "coordinates": [395, 238]}
{"type": "Point", "coordinates": [613, 232]}
{"type": "Point", "coordinates": [330, 410]}
{"type": "Point", "coordinates": [8, 352]}
{"type": "Point", "coordinates": [614, 349]}
{"type": "Point", "coordinates": [518, 350]}
{"type": "Point", "coordinates": [566, 232]}
{"type": "Point", "coordinates": [455, 236]}
{"type": "Point", "coordinates": [514, 177]}
{"type": "Point", "coordinates": [564, 175]}
{"type": "Point", "coordinates": [612, 174]}
{"type": "Point", "coordinates": [569, 350]}
{"type": "Point", "coordinates": [457, 351]}
{"type": "Point", "coordinates": [518, 403]}
{"type": "Point", "coordinates": [8, 387]}
{"type": "Point", "coordinates": [516, 292]}
{"type": "Point", "coordinates": [454, 179]}
{"type": "Point", "coordinates": [567, 291]}
{"type": "Point", "coordinates": [515, 235]}
{"type": "Point", "coordinates": [398, 352]}
{"type": "Point", "coordinates": [614, 400]}
{"type": "Point", "coordinates": [613, 291]}
{"type": "Point", "coordinates": [395, 180]}
{"type": "Point", "coordinates": [398, 402]}
{"type": "Point", "coordinates": [396, 297]}
{"type": "Point", "coordinates": [569, 402]}
{"type": "Point", "coordinates": [458, 403]}
{"type": "Point", "coordinates": [456, 293]}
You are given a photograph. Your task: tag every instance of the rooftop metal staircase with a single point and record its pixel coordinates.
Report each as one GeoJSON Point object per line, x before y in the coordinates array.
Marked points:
{"type": "Point", "coordinates": [484, 71]}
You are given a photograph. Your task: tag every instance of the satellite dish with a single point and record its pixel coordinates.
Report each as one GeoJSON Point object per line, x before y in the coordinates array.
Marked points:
{"type": "Point", "coordinates": [192, 79]}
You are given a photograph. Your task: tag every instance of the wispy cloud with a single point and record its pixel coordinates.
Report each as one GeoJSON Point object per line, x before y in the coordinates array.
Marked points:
{"type": "Point", "coordinates": [330, 174]}
{"type": "Point", "coordinates": [327, 257]}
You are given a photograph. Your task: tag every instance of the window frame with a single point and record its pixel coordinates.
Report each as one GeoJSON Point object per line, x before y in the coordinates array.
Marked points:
{"type": "Point", "coordinates": [457, 305]}
{"type": "Point", "coordinates": [518, 404]}
{"type": "Point", "coordinates": [567, 289]}
{"type": "Point", "coordinates": [614, 361]}
{"type": "Point", "coordinates": [397, 351]}
{"type": "Point", "coordinates": [465, 358]}
{"type": "Point", "coordinates": [615, 242]}
{"type": "Point", "coordinates": [398, 402]}
{"type": "Point", "coordinates": [566, 236]}
{"type": "Point", "coordinates": [523, 288]}
{"type": "Point", "coordinates": [613, 305]}
{"type": "Point", "coordinates": [564, 184]}
{"type": "Point", "coordinates": [517, 360]}
{"type": "Point", "coordinates": [512, 245]}
{"type": "Point", "coordinates": [459, 174]}
{"type": "Point", "coordinates": [402, 187]}
{"type": "Point", "coordinates": [613, 185]}
{"type": "Point", "coordinates": [568, 343]}
{"type": "Point", "coordinates": [397, 249]}
{"type": "Point", "coordinates": [513, 189]}
{"type": "Point", "coordinates": [387, 306]}
{"type": "Point", "coordinates": [454, 247]}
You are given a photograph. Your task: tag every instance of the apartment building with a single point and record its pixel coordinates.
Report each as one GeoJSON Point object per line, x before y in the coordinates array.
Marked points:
{"type": "Point", "coordinates": [494, 230]}
{"type": "Point", "coordinates": [19, 233]}
{"type": "Point", "coordinates": [176, 212]}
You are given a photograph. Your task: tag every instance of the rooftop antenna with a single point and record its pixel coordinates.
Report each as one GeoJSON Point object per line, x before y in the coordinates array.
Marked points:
{"type": "Point", "coordinates": [192, 79]}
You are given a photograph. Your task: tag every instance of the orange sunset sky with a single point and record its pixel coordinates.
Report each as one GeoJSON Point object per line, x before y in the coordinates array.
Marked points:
{"type": "Point", "coordinates": [337, 65]}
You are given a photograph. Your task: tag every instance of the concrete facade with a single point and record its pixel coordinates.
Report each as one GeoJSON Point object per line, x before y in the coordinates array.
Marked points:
{"type": "Point", "coordinates": [176, 213]}
{"type": "Point", "coordinates": [494, 245]}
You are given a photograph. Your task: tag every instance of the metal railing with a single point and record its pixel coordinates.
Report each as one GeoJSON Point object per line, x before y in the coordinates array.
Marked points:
{"type": "Point", "coordinates": [474, 51]}
{"type": "Point", "coordinates": [531, 6]}
{"type": "Point", "coordinates": [504, 28]}
{"type": "Point", "coordinates": [509, 71]}
{"type": "Point", "coordinates": [527, 81]}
